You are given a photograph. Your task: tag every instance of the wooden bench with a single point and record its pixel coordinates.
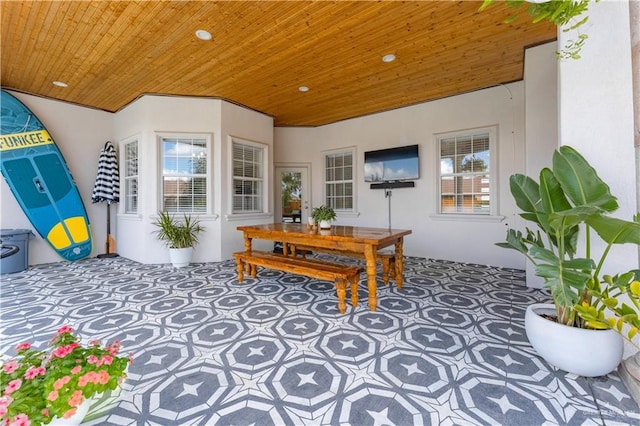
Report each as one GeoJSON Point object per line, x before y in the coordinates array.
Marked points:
{"type": "Point", "coordinates": [339, 274]}
{"type": "Point", "coordinates": [386, 256]}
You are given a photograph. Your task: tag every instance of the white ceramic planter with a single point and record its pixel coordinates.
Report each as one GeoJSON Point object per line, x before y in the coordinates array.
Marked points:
{"type": "Point", "coordinates": [588, 353]}
{"type": "Point", "coordinates": [76, 419]}
{"type": "Point", "coordinates": [324, 224]}
{"type": "Point", "coordinates": [180, 257]}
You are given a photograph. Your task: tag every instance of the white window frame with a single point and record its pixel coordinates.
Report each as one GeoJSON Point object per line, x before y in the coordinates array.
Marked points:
{"type": "Point", "coordinates": [354, 173]}
{"type": "Point", "coordinates": [265, 179]}
{"type": "Point", "coordinates": [128, 178]}
{"type": "Point", "coordinates": [207, 175]}
{"type": "Point", "coordinates": [492, 214]}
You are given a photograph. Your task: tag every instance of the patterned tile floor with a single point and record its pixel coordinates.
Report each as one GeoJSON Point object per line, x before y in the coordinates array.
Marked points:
{"type": "Point", "coordinates": [448, 349]}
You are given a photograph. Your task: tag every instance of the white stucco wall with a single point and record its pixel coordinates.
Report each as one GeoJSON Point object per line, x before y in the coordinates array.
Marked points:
{"type": "Point", "coordinates": [596, 112]}
{"type": "Point", "coordinates": [247, 125]}
{"type": "Point", "coordinates": [414, 208]}
{"type": "Point", "coordinates": [146, 119]}
{"type": "Point", "coordinates": [541, 121]}
{"type": "Point", "coordinates": [80, 134]}
{"type": "Point", "coordinates": [151, 116]}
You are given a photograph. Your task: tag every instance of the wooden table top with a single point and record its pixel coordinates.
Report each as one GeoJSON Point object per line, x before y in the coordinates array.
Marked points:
{"type": "Point", "coordinates": [336, 233]}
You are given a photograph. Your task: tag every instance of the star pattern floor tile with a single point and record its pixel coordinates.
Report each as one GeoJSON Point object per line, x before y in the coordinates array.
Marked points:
{"type": "Point", "coordinates": [449, 348]}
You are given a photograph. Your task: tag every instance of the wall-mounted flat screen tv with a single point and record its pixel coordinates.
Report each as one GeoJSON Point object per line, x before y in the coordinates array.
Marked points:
{"type": "Point", "coordinates": [392, 164]}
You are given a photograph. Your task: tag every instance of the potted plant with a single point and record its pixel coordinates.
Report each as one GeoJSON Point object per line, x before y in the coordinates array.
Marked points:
{"type": "Point", "coordinates": [571, 198]}
{"type": "Point", "coordinates": [180, 237]}
{"type": "Point", "coordinates": [41, 387]}
{"type": "Point", "coordinates": [323, 216]}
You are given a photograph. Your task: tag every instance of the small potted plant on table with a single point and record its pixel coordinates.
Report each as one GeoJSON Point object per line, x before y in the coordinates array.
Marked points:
{"type": "Point", "coordinates": [323, 216]}
{"type": "Point", "coordinates": [181, 237]}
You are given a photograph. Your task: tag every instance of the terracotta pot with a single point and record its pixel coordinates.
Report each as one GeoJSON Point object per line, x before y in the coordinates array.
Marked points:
{"type": "Point", "coordinates": [581, 351]}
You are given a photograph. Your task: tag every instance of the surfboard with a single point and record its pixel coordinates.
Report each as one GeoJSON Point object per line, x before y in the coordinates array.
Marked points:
{"type": "Point", "coordinates": [33, 167]}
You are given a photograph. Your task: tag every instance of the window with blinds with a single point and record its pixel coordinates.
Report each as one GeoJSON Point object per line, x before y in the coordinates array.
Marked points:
{"type": "Point", "coordinates": [339, 182]}
{"type": "Point", "coordinates": [465, 172]}
{"type": "Point", "coordinates": [131, 177]}
{"type": "Point", "coordinates": [184, 174]}
{"type": "Point", "coordinates": [248, 177]}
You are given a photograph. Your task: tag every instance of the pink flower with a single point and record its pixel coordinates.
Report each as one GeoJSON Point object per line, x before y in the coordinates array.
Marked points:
{"type": "Point", "coordinates": [10, 366]}
{"type": "Point", "coordinates": [70, 413]}
{"type": "Point", "coordinates": [59, 384]}
{"type": "Point", "coordinates": [103, 377]}
{"type": "Point", "coordinates": [33, 372]}
{"type": "Point", "coordinates": [63, 351]}
{"type": "Point", "coordinates": [21, 420]}
{"type": "Point", "coordinates": [13, 386]}
{"type": "Point", "coordinates": [76, 399]}
{"type": "Point", "coordinates": [90, 377]}
{"type": "Point", "coordinates": [76, 369]}
{"type": "Point", "coordinates": [65, 329]}
{"type": "Point", "coordinates": [92, 359]}
{"type": "Point", "coordinates": [94, 342]}
{"type": "Point", "coordinates": [3, 411]}
{"type": "Point", "coordinates": [5, 401]}
{"type": "Point", "coordinates": [53, 395]}
{"type": "Point", "coordinates": [107, 359]}
{"type": "Point", "coordinates": [114, 348]}
{"type": "Point", "coordinates": [23, 346]}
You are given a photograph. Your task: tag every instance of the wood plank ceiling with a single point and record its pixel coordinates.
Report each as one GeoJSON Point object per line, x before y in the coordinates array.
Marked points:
{"type": "Point", "coordinates": [111, 52]}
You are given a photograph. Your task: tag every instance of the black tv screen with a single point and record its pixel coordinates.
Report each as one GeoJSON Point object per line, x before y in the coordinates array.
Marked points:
{"type": "Point", "coordinates": [392, 164]}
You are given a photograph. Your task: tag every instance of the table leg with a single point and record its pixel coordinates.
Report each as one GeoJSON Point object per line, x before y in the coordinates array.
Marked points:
{"type": "Point", "coordinates": [399, 264]}
{"type": "Point", "coordinates": [247, 248]}
{"type": "Point", "coordinates": [341, 290]}
{"type": "Point", "coordinates": [354, 290]}
{"type": "Point", "coordinates": [370, 256]}
{"type": "Point", "coordinates": [385, 270]}
{"type": "Point", "coordinates": [240, 267]}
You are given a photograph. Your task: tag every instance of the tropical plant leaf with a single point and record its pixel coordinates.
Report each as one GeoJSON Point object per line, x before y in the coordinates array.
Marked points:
{"type": "Point", "coordinates": [573, 216]}
{"type": "Point", "coordinates": [615, 231]}
{"type": "Point", "coordinates": [552, 200]}
{"type": "Point", "coordinates": [525, 191]}
{"type": "Point", "coordinates": [566, 279]}
{"type": "Point", "coordinates": [514, 241]}
{"type": "Point", "coordinates": [579, 180]}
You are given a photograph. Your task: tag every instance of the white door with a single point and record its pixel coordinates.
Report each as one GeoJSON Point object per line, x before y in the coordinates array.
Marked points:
{"type": "Point", "coordinates": [292, 194]}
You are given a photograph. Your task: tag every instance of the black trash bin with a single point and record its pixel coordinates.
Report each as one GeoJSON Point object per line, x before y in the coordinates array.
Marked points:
{"type": "Point", "coordinates": [14, 244]}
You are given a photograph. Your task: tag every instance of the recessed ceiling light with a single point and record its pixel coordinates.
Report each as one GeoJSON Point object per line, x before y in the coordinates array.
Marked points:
{"type": "Point", "coordinates": [59, 84]}
{"type": "Point", "coordinates": [389, 58]}
{"type": "Point", "coordinates": [203, 35]}
{"type": "Point", "coordinates": [303, 88]}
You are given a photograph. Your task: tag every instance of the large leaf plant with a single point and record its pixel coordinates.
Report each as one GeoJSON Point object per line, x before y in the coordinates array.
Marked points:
{"type": "Point", "coordinates": [570, 198]}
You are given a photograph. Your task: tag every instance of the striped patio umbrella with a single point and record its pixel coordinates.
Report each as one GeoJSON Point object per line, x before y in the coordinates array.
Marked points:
{"type": "Point", "coordinates": [107, 189]}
